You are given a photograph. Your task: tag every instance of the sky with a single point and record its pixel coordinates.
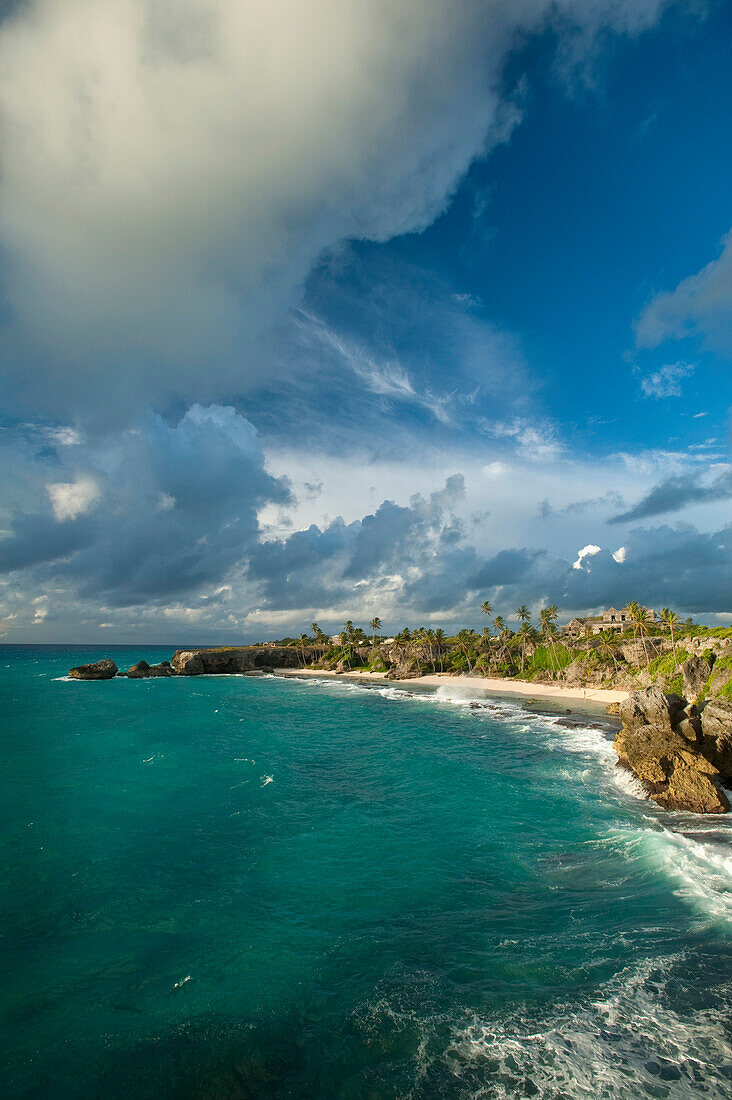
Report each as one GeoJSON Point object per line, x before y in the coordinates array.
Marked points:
{"type": "Point", "coordinates": [346, 308]}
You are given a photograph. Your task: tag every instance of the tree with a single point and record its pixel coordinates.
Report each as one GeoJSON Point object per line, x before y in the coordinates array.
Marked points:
{"type": "Point", "coordinates": [440, 642]}
{"type": "Point", "coordinates": [523, 614]}
{"type": "Point", "coordinates": [671, 619]}
{"type": "Point", "coordinates": [486, 608]}
{"type": "Point", "coordinates": [303, 640]}
{"type": "Point", "coordinates": [640, 619]}
{"type": "Point", "coordinates": [499, 625]}
{"type": "Point", "coordinates": [374, 625]}
{"type": "Point", "coordinates": [547, 630]}
{"type": "Point", "coordinates": [525, 633]}
{"type": "Point", "coordinates": [466, 641]}
{"type": "Point", "coordinates": [608, 646]}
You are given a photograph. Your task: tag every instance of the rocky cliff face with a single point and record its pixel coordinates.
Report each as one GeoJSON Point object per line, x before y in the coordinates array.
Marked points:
{"type": "Point", "coordinates": [681, 755]}
{"type": "Point", "coordinates": [197, 662]}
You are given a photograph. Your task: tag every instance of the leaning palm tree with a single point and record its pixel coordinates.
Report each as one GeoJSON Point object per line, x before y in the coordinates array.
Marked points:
{"type": "Point", "coordinates": [486, 608]}
{"type": "Point", "coordinates": [525, 633]}
{"type": "Point", "coordinates": [374, 625]}
{"type": "Point", "coordinates": [608, 646]}
{"type": "Point", "coordinates": [466, 641]}
{"type": "Point", "coordinates": [499, 625]}
{"type": "Point", "coordinates": [639, 617]}
{"type": "Point", "coordinates": [440, 641]}
{"type": "Point", "coordinates": [671, 619]}
{"type": "Point", "coordinates": [547, 631]}
{"type": "Point", "coordinates": [303, 640]}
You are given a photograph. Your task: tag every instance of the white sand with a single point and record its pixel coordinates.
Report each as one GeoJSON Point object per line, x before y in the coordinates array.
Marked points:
{"type": "Point", "coordinates": [500, 687]}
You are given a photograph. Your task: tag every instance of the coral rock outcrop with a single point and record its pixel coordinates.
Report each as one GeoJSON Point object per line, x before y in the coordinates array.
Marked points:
{"type": "Point", "coordinates": [666, 745]}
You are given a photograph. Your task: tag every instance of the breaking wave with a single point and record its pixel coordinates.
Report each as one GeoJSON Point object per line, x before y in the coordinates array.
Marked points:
{"type": "Point", "coordinates": [627, 1042]}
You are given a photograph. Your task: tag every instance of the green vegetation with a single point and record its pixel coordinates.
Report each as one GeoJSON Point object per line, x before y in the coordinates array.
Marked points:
{"type": "Point", "coordinates": [694, 631]}
{"type": "Point", "coordinates": [533, 650]}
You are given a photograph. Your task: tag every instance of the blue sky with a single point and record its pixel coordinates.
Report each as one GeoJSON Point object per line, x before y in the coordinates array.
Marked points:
{"type": "Point", "coordinates": [348, 313]}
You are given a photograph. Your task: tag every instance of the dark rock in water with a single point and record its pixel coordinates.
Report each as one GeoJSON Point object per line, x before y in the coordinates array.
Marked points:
{"type": "Point", "coordinates": [163, 669]}
{"type": "Point", "coordinates": [99, 670]}
{"type": "Point", "coordinates": [660, 743]}
{"type": "Point", "coordinates": [716, 723]}
{"type": "Point", "coordinates": [143, 671]}
{"type": "Point", "coordinates": [696, 671]}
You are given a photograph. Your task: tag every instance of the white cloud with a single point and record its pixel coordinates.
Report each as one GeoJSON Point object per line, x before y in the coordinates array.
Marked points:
{"type": "Point", "coordinates": [171, 172]}
{"type": "Point", "coordinates": [588, 551]}
{"type": "Point", "coordinates": [533, 441]}
{"type": "Point", "coordinates": [70, 499]}
{"type": "Point", "coordinates": [700, 305]}
{"type": "Point", "coordinates": [666, 382]}
{"type": "Point", "coordinates": [620, 554]}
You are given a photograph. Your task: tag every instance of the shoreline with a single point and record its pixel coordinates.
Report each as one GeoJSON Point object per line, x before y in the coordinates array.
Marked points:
{"type": "Point", "coordinates": [594, 700]}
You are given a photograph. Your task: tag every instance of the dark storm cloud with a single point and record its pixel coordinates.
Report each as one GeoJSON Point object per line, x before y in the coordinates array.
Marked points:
{"type": "Point", "coordinates": [173, 508]}
{"type": "Point", "coordinates": [675, 493]}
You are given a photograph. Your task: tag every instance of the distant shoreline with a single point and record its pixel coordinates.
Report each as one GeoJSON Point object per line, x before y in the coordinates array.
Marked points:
{"type": "Point", "coordinates": [584, 698]}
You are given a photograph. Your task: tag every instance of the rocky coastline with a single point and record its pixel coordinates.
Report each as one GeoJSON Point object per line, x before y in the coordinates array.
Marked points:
{"type": "Point", "coordinates": [681, 754]}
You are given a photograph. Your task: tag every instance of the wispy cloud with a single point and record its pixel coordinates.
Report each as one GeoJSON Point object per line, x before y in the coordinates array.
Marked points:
{"type": "Point", "coordinates": [666, 381]}
{"type": "Point", "coordinates": [387, 378]}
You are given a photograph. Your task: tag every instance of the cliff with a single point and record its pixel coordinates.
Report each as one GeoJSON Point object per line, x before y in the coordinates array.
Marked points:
{"type": "Point", "coordinates": [250, 658]}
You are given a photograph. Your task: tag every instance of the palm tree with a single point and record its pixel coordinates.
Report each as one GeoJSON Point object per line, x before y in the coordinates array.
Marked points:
{"type": "Point", "coordinates": [640, 619]}
{"type": "Point", "coordinates": [440, 643]}
{"type": "Point", "coordinates": [374, 625]}
{"type": "Point", "coordinates": [525, 633]}
{"type": "Point", "coordinates": [499, 625]}
{"type": "Point", "coordinates": [523, 614]}
{"type": "Point", "coordinates": [552, 614]}
{"type": "Point", "coordinates": [303, 640]}
{"type": "Point", "coordinates": [486, 608]}
{"type": "Point", "coordinates": [671, 619]}
{"type": "Point", "coordinates": [608, 645]}
{"type": "Point", "coordinates": [465, 640]}
{"type": "Point", "coordinates": [547, 630]}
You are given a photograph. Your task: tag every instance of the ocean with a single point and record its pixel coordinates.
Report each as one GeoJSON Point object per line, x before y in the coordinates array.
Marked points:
{"type": "Point", "coordinates": [234, 887]}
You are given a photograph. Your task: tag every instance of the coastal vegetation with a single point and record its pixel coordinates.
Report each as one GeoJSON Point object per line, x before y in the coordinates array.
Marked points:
{"type": "Point", "coordinates": [648, 649]}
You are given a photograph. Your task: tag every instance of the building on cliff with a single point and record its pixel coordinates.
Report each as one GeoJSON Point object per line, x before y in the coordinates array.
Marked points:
{"type": "Point", "coordinates": [614, 619]}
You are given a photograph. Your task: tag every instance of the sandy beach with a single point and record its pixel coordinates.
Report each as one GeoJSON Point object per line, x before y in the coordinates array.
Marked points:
{"type": "Point", "coordinates": [556, 692]}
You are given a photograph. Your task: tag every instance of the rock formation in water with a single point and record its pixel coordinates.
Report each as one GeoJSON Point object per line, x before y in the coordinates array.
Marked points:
{"type": "Point", "coordinates": [142, 670]}
{"type": "Point", "coordinates": [680, 754]}
{"type": "Point", "coordinates": [99, 670]}
{"type": "Point", "coordinates": [197, 662]}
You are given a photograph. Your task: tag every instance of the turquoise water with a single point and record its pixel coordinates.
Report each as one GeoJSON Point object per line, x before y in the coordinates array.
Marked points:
{"type": "Point", "coordinates": [240, 887]}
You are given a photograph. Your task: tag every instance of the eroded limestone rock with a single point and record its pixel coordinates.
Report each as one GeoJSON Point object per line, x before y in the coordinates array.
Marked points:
{"type": "Point", "coordinates": [98, 670]}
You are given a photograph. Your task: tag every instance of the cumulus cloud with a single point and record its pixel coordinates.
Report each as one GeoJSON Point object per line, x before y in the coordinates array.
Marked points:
{"type": "Point", "coordinates": [171, 172]}
{"type": "Point", "coordinates": [176, 508]}
{"type": "Point", "coordinates": [701, 305]}
{"type": "Point", "coordinates": [586, 552]}
{"type": "Point", "coordinates": [71, 499]}
{"type": "Point", "coordinates": [620, 554]}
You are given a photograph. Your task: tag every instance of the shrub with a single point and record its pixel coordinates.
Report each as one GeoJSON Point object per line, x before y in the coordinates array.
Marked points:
{"type": "Point", "coordinates": [665, 665]}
